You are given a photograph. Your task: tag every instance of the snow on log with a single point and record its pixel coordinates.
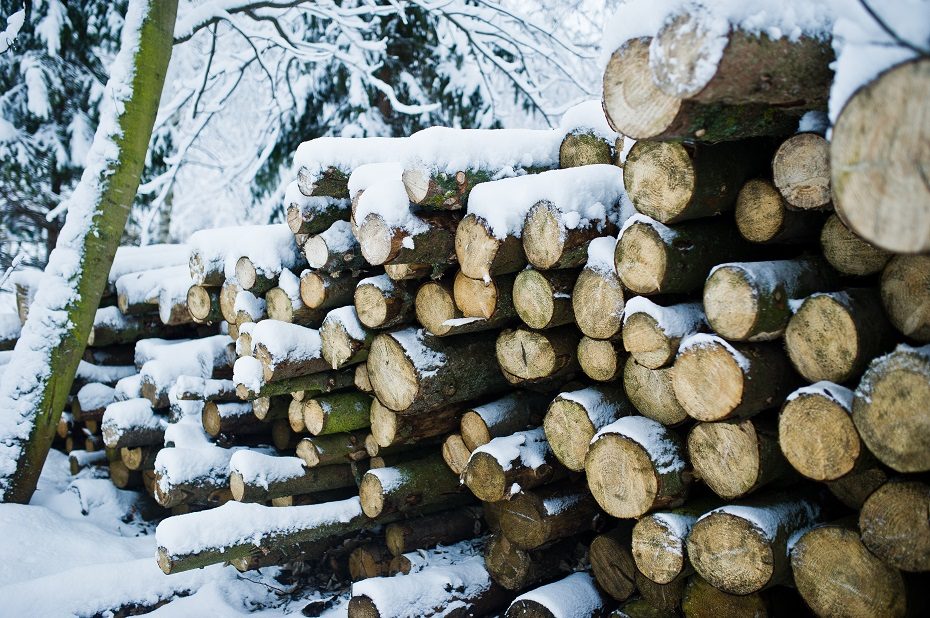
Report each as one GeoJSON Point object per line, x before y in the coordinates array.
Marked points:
{"type": "Point", "coordinates": [257, 477]}
{"type": "Point", "coordinates": [381, 302]}
{"type": "Point", "coordinates": [536, 517]}
{"type": "Point", "coordinates": [193, 388]}
{"type": "Point", "coordinates": [517, 411]}
{"type": "Point", "coordinates": [334, 249]}
{"type": "Point", "coordinates": [344, 339]}
{"type": "Point", "coordinates": [312, 215]}
{"type": "Point", "coordinates": [91, 401]}
{"type": "Point", "coordinates": [111, 327]}
{"type": "Point", "coordinates": [203, 358]}
{"type": "Point", "coordinates": [263, 255]}
{"type": "Point", "coordinates": [502, 467]}
{"type": "Point", "coordinates": [230, 419]}
{"type": "Point", "coordinates": [574, 417]}
{"type": "Point", "coordinates": [185, 475]}
{"type": "Point", "coordinates": [250, 382]}
{"type": "Point", "coordinates": [287, 350]}
{"type": "Point", "coordinates": [132, 423]}
{"type": "Point", "coordinates": [148, 257]}
{"type": "Point", "coordinates": [137, 292]}
{"type": "Point", "coordinates": [408, 485]}
{"type": "Point", "coordinates": [575, 596]}
{"type": "Point", "coordinates": [652, 333]}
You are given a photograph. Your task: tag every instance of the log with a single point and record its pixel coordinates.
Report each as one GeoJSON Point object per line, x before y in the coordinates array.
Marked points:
{"type": "Point", "coordinates": [748, 301]}
{"type": "Point", "coordinates": [848, 253]}
{"type": "Point", "coordinates": [477, 298]}
{"type": "Point", "coordinates": [139, 458]}
{"type": "Point", "coordinates": [369, 560]}
{"type": "Point", "coordinates": [601, 360]}
{"type": "Point", "coordinates": [192, 476]}
{"type": "Point", "coordinates": [113, 328]}
{"type": "Point", "coordinates": [516, 569]}
{"type": "Point", "coordinates": [252, 278]}
{"type": "Point", "coordinates": [652, 333]}
{"type": "Point", "coordinates": [763, 216]}
{"type": "Point", "coordinates": [328, 181]}
{"type": "Point", "coordinates": [295, 416]}
{"type": "Point", "coordinates": [80, 460]}
{"type": "Point", "coordinates": [855, 488]}
{"type": "Point", "coordinates": [801, 171]}
{"type": "Point", "coordinates": [235, 419]}
{"type": "Point", "coordinates": [702, 600]}
{"type": "Point", "coordinates": [256, 477]}
{"type": "Point", "coordinates": [504, 466]}
{"type": "Point", "coordinates": [837, 574]}
{"type": "Point", "coordinates": [532, 356]}
{"type": "Point", "coordinates": [905, 290]}
{"type": "Point", "coordinates": [91, 401]}
{"type": "Point", "coordinates": [517, 411]}
{"type": "Point", "coordinates": [286, 306]}
{"type": "Point", "coordinates": [228, 292]}
{"type": "Point", "coordinates": [192, 388]}
{"type": "Point", "coordinates": [597, 298]}
{"type": "Point", "coordinates": [894, 525]}
{"type": "Point", "coordinates": [132, 423]}
{"type": "Point", "coordinates": [439, 190]}
{"type": "Point", "coordinates": [833, 336]}
{"type": "Point", "coordinates": [665, 596]}
{"type": "Point", "coordinates": [244, 339]}
{"type": "Point", "coordinates": [389, 428]}
{"type": "Point", "coordinates": [433, 243]}
{"type": "Point", "coordinates": [204, 304]}
{"type": "Point", "coordinates": [533, 518]}
{"type": "Point", "coordinates": [573, 596]}
{"type": "Point", "coordinates": [612, 562]}
{"type": "Point", "coordinates": [412, 373]}
{"type": "Point", "coordinates": [319, 290]}
{"type": "Point", "coordinates": [437, 312]}
{"type": "Point", "coordinates": [543, 299]}
{"type": "Point", "coordinates": [383, 303]}
{"type": "Point", "coordinates": [890, 410]}
{"type": "Point", "coordinates": [427, 531]}
{"type": "Point", "coordinates": [659, 541]}
{"type": "Point", "coordinates": [408, 485]}
{"type": "Point", "coordinates": [715, 381]}
{"type": "Point", "coordinates": [555, 239]}
{"type": "Point", "coordinates": [345, 339]}
{"type": "Point", "coordinates": [270, 408]}
{"type": "Point", "coordinates": [742, 549]}
{"type": "Point", "coordinates": [313, 216]}
{"type": "Point", "coordinates": [322, 382]}
{"type": "Point", "coordinates": [877, 173]}
{"type": "Point", "coordinates": [110, 356]}
{"type": "Point", "coordinates": [574, 417]}
{"type": "Point", "coordinates": [287, 350]}
{"type": "Point", "coordinates": [635, 465]}
{"type": "Point", "coordinates": [587, 147]}
{"type": "Point", "coordinates": [641, 608]}
{"type": "Point", "coordinates": [361, 380]}
{"type": "Point", "coordinates": [817, 434]}
{"type": "Point", "coordinates": [282, 437]}
{"type": "Point", "coordinates": [674, 181]}
{"type": "Point", "coordinates": [636, 107]}
{"type": "Point", "coordinates": [481, 255]}
{"type": "Point", "coordinates": [455, 453]}
{"type": "Point", "coordinates": [332, 449]}
{"type": "Point", "coordinates": [337, 412]}
{"type": "Point", "coordinates": [735, 458]}
{"type": "Point", "coordinates": [652, 258]}
{"type": "Point", "coordinates": [409, 272]}
{"type": "Point", "coordinates": [124, 478]}
{"type": "Point", "coordinates": [249, 308]}
{"type": "Point", "coordinates": [334, 250]}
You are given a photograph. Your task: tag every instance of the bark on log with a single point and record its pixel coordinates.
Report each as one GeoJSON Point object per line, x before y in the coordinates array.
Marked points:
{"type": "Point", "coordinates": [836, 574]}
{"type": "Point", "coordinates": [635, 465]}
{"type": "Point", "coordinates": [598, 301]}
{"type": "Point", "coordinates": [481, 255]}
{"type": "Point", "coordinates": [132, 423]}
{"type": "Point", "coordinates": [543, 299]}
{"type": "Point", "coordinates": [673, 181]}
{"type": "Point", "coordinates": [369, 560]}
{"type": "Point", "coordinates": [504, 466]}
{"type": "Point", "coordinates": [549, 242]}
{"type": "Point", "coordinates": [715, 381]}
{"type": "Point", "coordinates": [702, 600]}
{"type": "Point", "coordinates": [326, 291]}
{"type": "Point", "coordinates": [532, 356]}
{"type": "Point", "coordinates": [383, 244]}
{"type": "Point", "coordinates": [439, 190]}
{"type": "Point", "coordinates": [641, 608]}
{"type": "Point", "coordinates": [437, 312]}
{"type": "Point", "coordinates": [332, 449]}
{"type": "Point", "coordinates": [421, 482]}
{"type": "Point", "coordinates": [848, 253]}
{"type": "Point", "coordinates": [878, 166]}
{"type": "Point", "coordinates": [113, 328]}
{"type": "Point", "coordinates": [517, 411]}
{"type": "Point", "coordinates": [895, 527]}
{"type": "Point", "coordinates": [652, 333]}
{"type": "Point", "coordinates": [477, 298]}
{"type": "Point", "coordinates": [763, 216]}
{"type": "Point", "coordinates": [533, 518]}
{"type": "Point", "coordinates": [345, 339]}
{"type": "Point", "coordinates": [412, 373]}
{"type": "Point", "coordinates": [516, 569]}
{"type": "Point", "coordinates": [334, 250]}
{"type": "Point", "coordinates": [612, 562]}
{"type": "Point", "coordinates": [855, 488]}
{"type": "Point", "coordinates": [330, 182]}
{"type": "Point", "coordinates": [337, 412]}
{"type": "Point", "coordinates": [442, 528]}
{"type": "Point", "coordinates": [192, 388]}
{"type": "Point", "coordinates": [801, 171]}
{"type": "Point", "coordinates": [652, 258]}
{"type": "Point", "coordinates": [890, 409]}
{"type": "Point", "coordinates": [601, 359]}
{"type": "Point", "coordinates": [735, 458]}
{"type": "Point", "coordinates": [203, 303]}
{"type": "Point", "coordinates": [833, 336]}
{"type": "Point", "coordinates": [574, 417]}
{"type": "Point", "coordinates": [384, 303]}
{"type": "Point", "coordinates": [665, 596]}
{"type": "Point", "coordinates": [233, 419]}
{"type": "Point", "coordinates": [906, 295]}
{"type": "Point", "coordinates": [390, 428]}
{"type": "Point", "coordinates": [748, 301]}
{"type": "Point", "coordinates": [262, 479]}
{"type": "Point", "coordinates": [743, 549]}
{"type": "Point", "coordinates": [315, 216]}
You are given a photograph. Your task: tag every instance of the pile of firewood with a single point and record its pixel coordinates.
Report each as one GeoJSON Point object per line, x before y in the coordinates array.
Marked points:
{"type": "Point", "coordinates": [481, 371]}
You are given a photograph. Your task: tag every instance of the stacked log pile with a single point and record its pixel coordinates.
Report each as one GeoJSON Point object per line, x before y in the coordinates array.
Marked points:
{"type": "Point", "coordinates": [492, 371]}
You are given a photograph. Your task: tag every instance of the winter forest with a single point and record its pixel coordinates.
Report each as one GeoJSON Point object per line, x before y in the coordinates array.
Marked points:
{"type": "Point", "coordinates": [516, 308]}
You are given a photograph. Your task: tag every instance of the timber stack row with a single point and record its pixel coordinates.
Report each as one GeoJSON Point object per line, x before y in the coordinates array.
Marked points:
{"type": "Point", "coordinates": [559, 372]}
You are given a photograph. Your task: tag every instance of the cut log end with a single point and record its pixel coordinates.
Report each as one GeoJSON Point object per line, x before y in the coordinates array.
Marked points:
{"type": "Point", "coordinates": [245, 273]}
{"type": "Point", "coordinates": [392, 374]}
{"type": "Point", "coordinates": [726, 456]}
{"type": "Point", "coordinates": [644, 339]}
{"type": "Point", "coordinates": [658, 550]}
{"type": "Point", "coordinates": [640, 259]}
{"type": "Point", "coordinates": [376, 238]}
{"type": "Point", "coordinates": [569, 432]}
{"type": "Point", "coordinates": [818, 437]}
{"type": "Point", "coordinates": [848, 253]}
{"type": "Point", "coordinates": [543, 236]}
{"type": "Point", "coordinates": [659, 178]}
{"type": "Point", "coordinates": [895, 526]}
{"type": "Point", "coordinates": [731, 303]}
{"type": "Point", "coordinates": [584, 148]}
{"type": "Point", "coordinates": [371, 494]}
{"type": "Point", "coordinates": [435, 306]}
{"type": "Point", "coordinates": [801, 170]}
{"type": "Point", "coordinates": [533, 298]}
{"type": "Point", "coordinates": [760, 212]}
{"type": "Point", "coordinates": [621, 476]}
{"type": "Point", "coordinates": [731, 553]}
{"type": "Point", "coordinates": [600, 360]}
{"type": "Point", "coordinates": [371, 305]}
{"type": "Point", "coordinates": [485, 478]}
{"type": "Point", "coordinates": [597, 302]}
{"type": "Point", "coordinates": [708, 381]}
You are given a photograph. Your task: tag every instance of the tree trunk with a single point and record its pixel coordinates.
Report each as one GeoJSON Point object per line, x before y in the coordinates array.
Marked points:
{"type": "Point", "coordinates": [763, 216]}
{"type": "Point", "coordinates": [287, 350]}
{"type": "Point", "coordinates": [383, 303]}
{"type": "Point", "coordinates": [421, 482]}
{"type": "Point", "coordinates": [635, 465]}
{"type": "Point", "coordinates": [532, 356]}
{"type": "Point", "coordinates": [481, 255]}
{"type": "Point", "coordinates": [254, 279]}
{"type": "Point", "coordinates": [437, 312]}
{"type": "Point", "coordinates": [906, 295]}
{"type": "Point", "coordinates": [228, 293]}
{"type": "Point", "coordinates": [574, 417]}
{"type": "Point", "coordinates": [652, 393]}
{"type": "Point", "coordinates": [139, 457]}
{"type": "Point", "coordinates": [533, 518]}
{"type": "Point", "coordinates": [665, 596]}
{"type": "Point", "coordinates": [612, 562]}
{"type": "Point", "coordinates": [543, 299]}
{"type": "Point", "coordinates": [361, 381]}
{"type": "Point", "coordinates": [337, 413]}
{"type": "Point", "coordinates": [442, 528]}
{"type": "Point", "coordinates": [549, 242]}
{"type": "Point", "coordinates": [641, 608]}
{"type": "Point", "coordinates": [601, 359]}
{"type": "Point", "coordinates": [890, 409]}
{"type": "Point", "coordinates": [833, 336]}
{"type": "Point", "coordinates": [879, 166]}
{"type": "Point", "coordinates": [801, 171]}
{"type": "Point", "coordinates": [517, 411]}
{"type": "Point", "coordinates": [652, 333]}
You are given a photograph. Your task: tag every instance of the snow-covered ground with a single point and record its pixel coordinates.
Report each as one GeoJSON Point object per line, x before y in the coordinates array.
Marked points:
{"type": "Point", "coordinates": [81, 548]}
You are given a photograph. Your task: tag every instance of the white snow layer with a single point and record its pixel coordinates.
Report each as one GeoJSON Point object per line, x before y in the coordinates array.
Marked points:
{"type": "Point", "coordinates": [426, 361]}
{"type": "Point", "coordinates": [834, 392]}
{"type": "Point", "coordinates": [588, 117]}
{"type": "Point", "coordinates": [347, 317]}
{"type": "Point", "coordinates": [10, 327]}
{"type": "Point", "coordinates": [95, 396]}
{"type": "Point", "coordinates": [135, 259]}
{"type": "Point", "coordinates": [259, 469]}
{"type": "Point", "coordinates": [287, 340]}
{"type": "Point", "coordinates": [528, 448]}
{"type": "Point", "coordinates": [698, 340]}
{"type": "Point", "coordinates": [601, 255]}
{"type": "Point", "coordinates": [600, 408]}
{"type": "Point", "coordinates": [664, 453]}
{"type": "Point", "coordinates": [575, 596]}
{"type": "Point", "coordinates": [674, 320]}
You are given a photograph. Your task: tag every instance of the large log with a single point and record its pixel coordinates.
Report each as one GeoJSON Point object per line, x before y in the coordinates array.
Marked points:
{"type": "Point", "coordinates": [319, 290]}
{"type": "Point", "coordinates": [653, 258]}
{"type": "Point", "coordinates": [748, 301]}
{"type": "Point", "coordinates": [601, 359]}
{"type": "Point", "coordinates": [517, 411]}
{"type": "Point", "coordinates": [533, 518]}
{"type": "Point", "coordinates": [652, 393]}
{"type": "Point", "coordinates": [894, 524]}
{"type": "Point", "coordinates": [412, 373]}
{"type": "Point", "coordinates": [597, 298]}
{"type": "Point", "coordinates": [204, 304]}
{"type": "Point", "coordinates": [635, 465]}
{"type": "Point", "coordinates": [742, 549]}
{"type": "Point", "coordinates": [715, 380]}
{"type": "Point", "coordinates": [383, 303]}
{"type": "Point", "coordinates": [392, 429]}
{"type": "Point", "coordinates": [763, 216]}
{"type": "Point", "coordinates": [878, 168]}
{"type": "Point", "coordinates": [532, 356]}
{"type": "Point", "coordinates": [192, 476]}
{"type": "Point", "coordinates": [801, 171]}
{"type": "Point", "coordinates": [440, 316]}
{"type": "Point", "coordinates": [848, 253]}
{"type": "Point", "coordinates": [890, 409]}
{"type": "Point", "coordinates": [575, 596]}
{"type": "Point", "coordinates": [416, 483]}
{"type": "Point", "coordinates": [504, 466]}
{"type": "Point", "coordinates": [256, 477]}
{"type": "Point", "coordinates": [481, 255]}
{"type": "Point", "coordinates": [905, 290]}
{"type": "Point", "coordinates": [574, 417]}
{"type": "Point", "coordinates": [652, 333]}
{"type": "Point", "coordinates": [612, 562]}
{"type": "Point", "coordinates": [344, 338]}
{"type": "Point", "coordinates": [543, 299]}
{"type": "Point", "coordinates": [553, 238]}
{"type": "Point", "coordinates": [837, 574]}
